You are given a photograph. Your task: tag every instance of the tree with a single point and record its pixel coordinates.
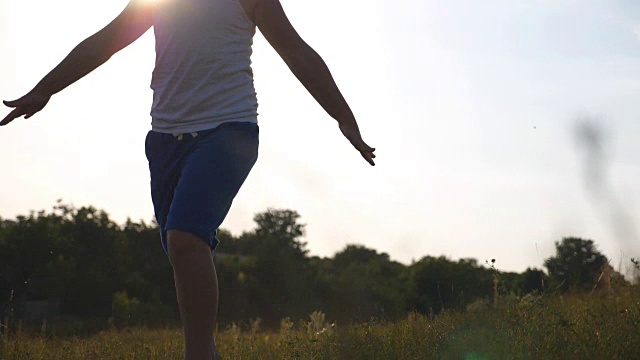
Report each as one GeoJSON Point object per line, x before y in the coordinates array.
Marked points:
{"type": "Point", "coordinates": [576, 265]}
{"type": "Point", "coordinates": [278, 277]}
{"type": "Point", "coordinates": [367, 284]}
{"type": "Point", "coordinates": [440, 283]}
{"type": "Point", "coordinates": [283, 226]}
{"type": "Point", "coordinates": [531, 281]}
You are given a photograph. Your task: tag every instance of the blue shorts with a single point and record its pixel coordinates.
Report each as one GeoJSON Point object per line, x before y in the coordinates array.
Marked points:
{"type": "Point", "coordinates": [195, 176]}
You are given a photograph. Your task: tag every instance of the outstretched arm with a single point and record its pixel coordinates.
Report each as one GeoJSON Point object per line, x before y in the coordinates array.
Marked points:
{"type": "Point", "coordinates": [94, 51]}
{"type": "Point", "coordinates": [310, 69]}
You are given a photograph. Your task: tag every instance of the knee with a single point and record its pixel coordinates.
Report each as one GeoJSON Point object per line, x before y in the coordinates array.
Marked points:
{"type": "Point", "coordinates": [183, 245]}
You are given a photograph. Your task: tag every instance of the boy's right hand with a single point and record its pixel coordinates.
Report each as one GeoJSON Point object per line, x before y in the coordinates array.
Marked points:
{"type": "Point", "coordinates": [27, 105]}
{"type": "Point", "coordinates": [351, 131]}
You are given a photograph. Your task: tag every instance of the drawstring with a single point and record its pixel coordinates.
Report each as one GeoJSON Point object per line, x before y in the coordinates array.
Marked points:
{"type": "Point", "coordinates": [180, 136]}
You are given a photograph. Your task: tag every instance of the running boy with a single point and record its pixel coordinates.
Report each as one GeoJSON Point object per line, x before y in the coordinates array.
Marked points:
{"type": "Point", "coordinates": [204, 137]}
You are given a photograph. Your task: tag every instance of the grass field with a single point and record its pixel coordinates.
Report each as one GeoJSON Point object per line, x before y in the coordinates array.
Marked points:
{"type": "Point", "coordinates": [583, 326]}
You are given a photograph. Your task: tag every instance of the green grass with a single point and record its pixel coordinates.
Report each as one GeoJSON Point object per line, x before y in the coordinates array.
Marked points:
{"type": "Point", "coordinates": [581, 326]}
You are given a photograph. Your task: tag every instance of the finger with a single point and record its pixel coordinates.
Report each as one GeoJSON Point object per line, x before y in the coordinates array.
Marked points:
{"type": "Point", "coordinates": [368, 158]}
{"type": "Point", "coordinates": [355, 139]}
{"type": "Point", "coordinates": [362, 146]}
{"type": "Point", "coordinates": [12, 103]}
{"type": "Point", "coordinates": [12, 115]}
{"type": "Point", "coordinates": [366, 148]}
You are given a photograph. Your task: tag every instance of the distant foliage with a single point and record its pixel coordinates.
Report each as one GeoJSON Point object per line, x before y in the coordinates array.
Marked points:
{"type": "Point", "coordinates": [577, 264]}
{"type": "Point", "coordinates": [439, 284]}
{"type": "Point", "coordinates": [82, 265]}
{"type": "Point", "coordinates": [532, 281]}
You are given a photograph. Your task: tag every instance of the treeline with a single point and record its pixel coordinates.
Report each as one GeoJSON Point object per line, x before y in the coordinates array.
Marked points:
{"type": "Point", "coordinates": [76, 262]}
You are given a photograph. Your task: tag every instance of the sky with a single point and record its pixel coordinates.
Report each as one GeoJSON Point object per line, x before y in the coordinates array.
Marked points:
{"type": "Point", "coordinates": [474, 107]}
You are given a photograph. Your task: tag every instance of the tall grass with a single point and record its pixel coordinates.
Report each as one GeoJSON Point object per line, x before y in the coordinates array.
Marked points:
{"type": "Point", "coordinates": [601, 325]}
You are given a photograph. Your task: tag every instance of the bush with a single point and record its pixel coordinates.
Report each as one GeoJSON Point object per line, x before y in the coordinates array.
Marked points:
{"type": "Point", "coordinates": [131, 311]}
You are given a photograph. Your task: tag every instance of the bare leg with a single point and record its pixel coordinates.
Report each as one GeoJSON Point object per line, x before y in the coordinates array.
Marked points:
{"type": "Point", "coordinates": [216, 354]}
{"type": "Point", "coordinates": [197, 291]}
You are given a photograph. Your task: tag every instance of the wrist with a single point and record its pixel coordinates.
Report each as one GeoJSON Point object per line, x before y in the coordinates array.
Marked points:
{"type": "Point", "coordinates": [41, 91]}
{"type": "Point", "coordinates": [345, 117]}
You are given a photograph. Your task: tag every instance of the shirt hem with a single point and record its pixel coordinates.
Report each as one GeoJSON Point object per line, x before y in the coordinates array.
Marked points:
{"type": "Point", "coordinates": [200, 127]}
